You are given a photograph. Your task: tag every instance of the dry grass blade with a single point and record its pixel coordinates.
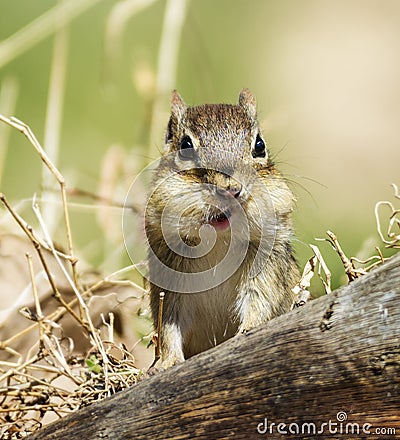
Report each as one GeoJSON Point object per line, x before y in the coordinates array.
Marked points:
{"type": "Point", "coordinates": [301, 289]}
{"type": "Point", "coordinates": [8, 99]}
{"type": "Point", "coordinates": [39, 314]}
{"type": "Point", "coordinates": [42, 27]}
{"type": "Point", "coordinates": [322, 265]}
{"type": "Point", "coordinates": [25, 129]}
{"type": "Point", "coordinates": [30, 388]}
{"type": "Point", "coordinates": [157, 339]}
{"type": "Point", "coordinates": [174, 17]}
{"type": "Point", "coordinates": [30, 234]}
{"type": "Point", "coordinates": [116, 23]}
{"type": "Point", "coordinates": [54, 121]}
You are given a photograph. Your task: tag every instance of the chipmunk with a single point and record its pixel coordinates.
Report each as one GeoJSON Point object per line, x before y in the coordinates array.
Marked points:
{"type": "Point", "coordinates": [218, 224]}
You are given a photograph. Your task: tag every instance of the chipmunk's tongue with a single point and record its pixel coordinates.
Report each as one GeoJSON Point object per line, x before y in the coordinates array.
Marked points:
{"type": "Point", "coordinates": [220, 221]}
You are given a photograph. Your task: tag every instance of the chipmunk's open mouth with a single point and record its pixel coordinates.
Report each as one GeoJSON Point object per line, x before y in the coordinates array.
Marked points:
{"type": "Point", "coordinates": [219, 220]}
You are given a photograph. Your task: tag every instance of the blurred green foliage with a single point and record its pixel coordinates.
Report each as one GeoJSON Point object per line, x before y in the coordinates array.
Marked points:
{"type": "Point", "coordinates": [308, 63]}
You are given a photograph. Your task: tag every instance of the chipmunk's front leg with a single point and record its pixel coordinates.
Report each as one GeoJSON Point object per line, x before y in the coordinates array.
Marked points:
{"type": "Point", "coordinates": [253, 307]}
{"type": "Point", "coordinates": [264, 297]}
{"type": "Point", "coordinates": [171, 338]}
{"type": "Point", "coordinates": [171, 345]}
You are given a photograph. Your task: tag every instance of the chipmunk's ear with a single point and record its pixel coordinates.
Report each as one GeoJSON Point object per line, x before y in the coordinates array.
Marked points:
{"type": "Point", "coordinates": [178, 106]}
{"type": "Point", "coordinates": [248, 102]}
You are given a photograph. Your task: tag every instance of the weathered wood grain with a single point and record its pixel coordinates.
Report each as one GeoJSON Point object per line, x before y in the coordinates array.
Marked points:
{"type": "Point", "coordinates": [338, 353]}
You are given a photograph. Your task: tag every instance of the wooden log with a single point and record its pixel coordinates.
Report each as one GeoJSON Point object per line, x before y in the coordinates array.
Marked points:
{"type": "Point", "coordinates": [334, 361]}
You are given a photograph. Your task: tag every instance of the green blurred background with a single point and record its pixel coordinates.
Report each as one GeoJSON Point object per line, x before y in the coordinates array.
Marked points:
{"type": "Point", "coordinates": [325, 74]}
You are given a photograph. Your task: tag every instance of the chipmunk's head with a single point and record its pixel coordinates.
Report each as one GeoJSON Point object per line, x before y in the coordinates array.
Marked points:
{"type": "Point", "coordinates": [216, 171]}
{"type": "Point", "coordinates": [216, 137]}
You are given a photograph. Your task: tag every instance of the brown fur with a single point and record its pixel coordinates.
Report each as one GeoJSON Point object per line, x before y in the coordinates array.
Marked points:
{"type": "Point", "coordinates": [223, 137]}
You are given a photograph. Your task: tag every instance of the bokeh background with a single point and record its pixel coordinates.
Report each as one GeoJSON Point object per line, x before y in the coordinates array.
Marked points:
{"type": "Point", "coordinates": [92, 79]}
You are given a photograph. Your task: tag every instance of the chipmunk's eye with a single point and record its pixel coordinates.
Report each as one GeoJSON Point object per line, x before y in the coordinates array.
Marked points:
{"type": "Point", "coordinates": [259, 147]}
{"type": "Point", "coordinates": [186, 150]}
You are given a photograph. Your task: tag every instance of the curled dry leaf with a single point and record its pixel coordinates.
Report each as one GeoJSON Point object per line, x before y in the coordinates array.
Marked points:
{"type": "Point", "coordinates": [301, 289]}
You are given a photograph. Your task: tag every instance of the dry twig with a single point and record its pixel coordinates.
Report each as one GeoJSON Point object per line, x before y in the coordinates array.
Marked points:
{"type": "Point", "coordinates": [28, 388]}
{"type": "Point", "coordinates": [158, 338]}
{"type": "Point", "coordinates": [392, 238]}
{"type": "Point", "coordinates": [25, 129]}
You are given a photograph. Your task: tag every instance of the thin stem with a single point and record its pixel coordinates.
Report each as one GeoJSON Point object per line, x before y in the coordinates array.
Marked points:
{"type": "Point", "coordinates": [40, 28]}
{"type": "Point", "coordinates": [157, 351]}
{"type": "Point", "coordinates": [53, 122]}
{"type": "Point", "coordinates": [29, 232]}
{"type": "Point", "coordinates": [39, 313]}
{"type": "Point", "coordinates": [25, 129]}
{"type": "Point", "coordinates": [8, 99]}
{"type": "Point", "coordinates": [174, 18]}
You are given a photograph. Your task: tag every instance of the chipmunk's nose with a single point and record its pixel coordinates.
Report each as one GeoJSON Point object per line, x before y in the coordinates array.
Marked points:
{"type": "Point", "coordinates": [232, 191]}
